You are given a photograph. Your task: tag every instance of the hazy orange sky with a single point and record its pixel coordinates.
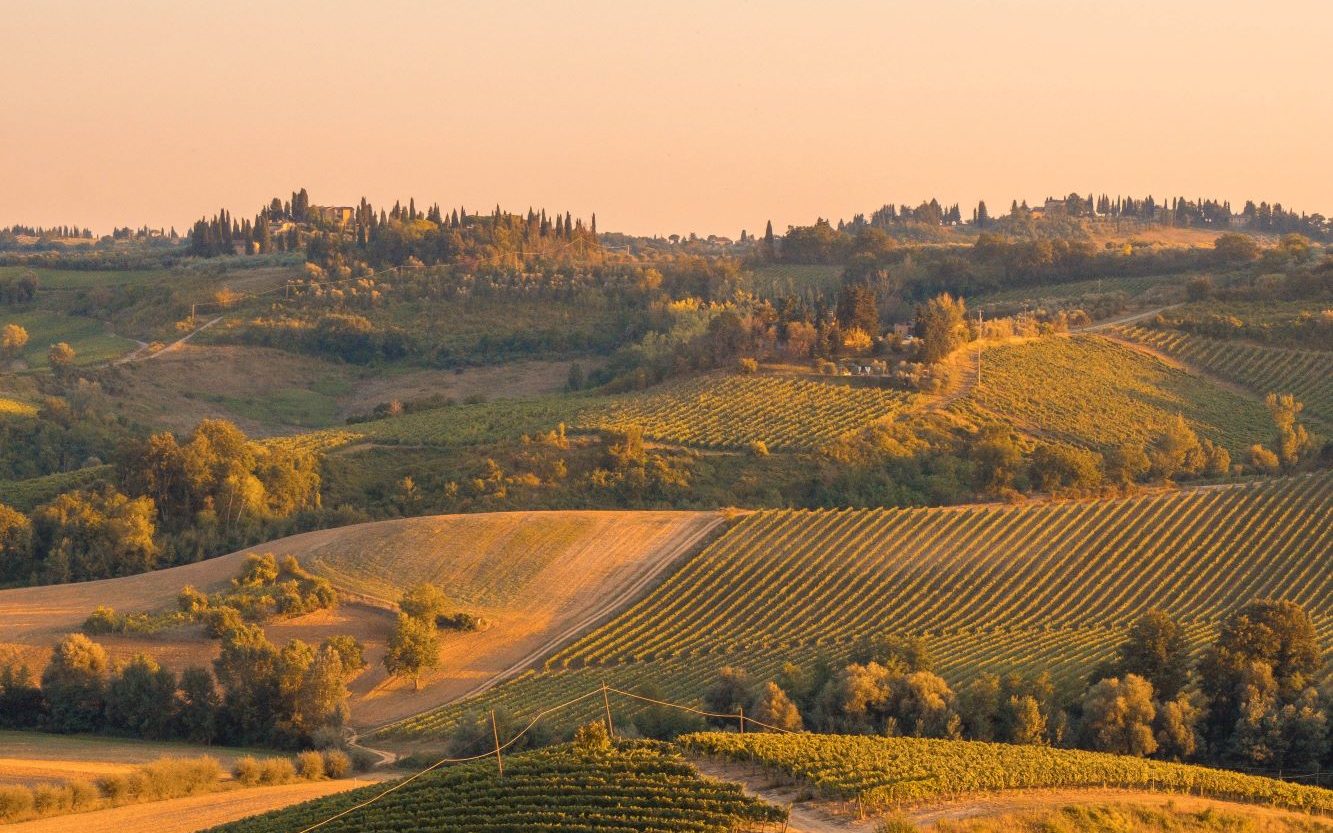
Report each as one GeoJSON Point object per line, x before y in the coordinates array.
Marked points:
{"type": "Point", "coordinates": [661, 117]}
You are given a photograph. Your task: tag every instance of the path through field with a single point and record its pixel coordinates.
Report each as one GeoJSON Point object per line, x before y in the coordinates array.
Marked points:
{"type": "Point", "coordinates": [187, 815]}
{"type": "Point", "coordinates": [1128, 319]}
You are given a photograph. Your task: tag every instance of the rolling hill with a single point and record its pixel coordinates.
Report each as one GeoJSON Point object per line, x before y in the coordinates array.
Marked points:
{"type": "Point", "coordinates": [1038, 587]}
{"type": "Point", "coordinates": [539, 578]}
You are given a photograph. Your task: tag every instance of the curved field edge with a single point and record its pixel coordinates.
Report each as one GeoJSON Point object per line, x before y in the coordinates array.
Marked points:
{"type": "Point", "coordinates": [992, 588]}
{"type": "Point", "coordinates": [541, 579]}
{"type": "Point", "coordinates": [888, 773]}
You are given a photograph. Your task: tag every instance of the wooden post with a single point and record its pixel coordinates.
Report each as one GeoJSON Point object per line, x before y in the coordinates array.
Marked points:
{"type": "Point", "coordinates": [495, 733]}
{"type": "Point", "coordinates": [741, 713]}
{"type": "Point", "coordinates": [606, 701]}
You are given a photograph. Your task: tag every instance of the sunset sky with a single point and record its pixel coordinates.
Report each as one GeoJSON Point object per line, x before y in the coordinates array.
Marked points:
{"type": "Point", "coordinates": [661, 117]}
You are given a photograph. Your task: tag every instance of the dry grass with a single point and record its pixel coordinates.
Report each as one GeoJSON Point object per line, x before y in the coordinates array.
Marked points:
{"type": "Point", "coordinates": [33, 757]}
{"type": "Point", "coordinates": [538, 577]}
{"type": "Point", "coordinates": [186, 815]}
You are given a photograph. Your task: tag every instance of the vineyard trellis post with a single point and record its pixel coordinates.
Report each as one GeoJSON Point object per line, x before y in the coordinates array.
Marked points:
{"type": "Point", "coordinates": [495, 733]}
{"type": "Point", "coordinates": [741, 714]}
{"type": "Point", "coordinates": [606, 702]}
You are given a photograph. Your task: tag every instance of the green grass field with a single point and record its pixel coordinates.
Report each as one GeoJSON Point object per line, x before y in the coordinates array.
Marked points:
{"type": "Point", "coordinates": [84, 278]}
{"type": "Point", "coordinates": [1096, 392]}
{"type": "Point", "coordinates": [91, 342]}
{"type": "Point", "coordinates": [1056, 295]}
{"type": "Point", "coordinates": [1028, 588]}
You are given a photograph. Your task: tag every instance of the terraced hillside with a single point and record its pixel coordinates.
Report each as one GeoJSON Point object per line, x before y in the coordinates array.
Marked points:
{"type": "Point", "coordinates": [1307, 374]}
{"type": "Point", "coordinates": [731, 411]}
{"type": "Point", "coordinates": [645, 787]}
{"type": "Point", "coordinates": [539, 578]}
{"type": "Point", "coordinates": [1096, 392]}
{"type": "Point", "coordinates": [1044, 586]}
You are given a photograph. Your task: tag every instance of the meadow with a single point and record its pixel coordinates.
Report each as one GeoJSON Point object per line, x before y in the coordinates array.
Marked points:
{"type": "Point", "coordinates": [91, 340]}
{"type": "Point", "coordinates": [992, 588]}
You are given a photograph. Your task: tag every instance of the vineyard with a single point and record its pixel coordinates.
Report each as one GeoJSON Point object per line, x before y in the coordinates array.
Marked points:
{"type": "Point", "coordinates": [883, 773]}
{"type": "Point", "coordinates": [639, 786]}
{"type": "Point", "coordinates": [1303, 373]}
{"type": "Point", "coordinates": [27, 494]}
{"type": "Point", "coordinates": [732, 411]}
{"type": "Point", "coordinates": [1097, 392]}
{"type": "Point", "coordinates": [1040, 587]}
{"type": "Point", "coordinates": [453, 425]}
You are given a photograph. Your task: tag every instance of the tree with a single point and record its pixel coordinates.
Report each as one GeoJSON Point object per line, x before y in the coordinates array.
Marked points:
{"type": "Point", "coordinates": [424, 601]}
{"type": "Point", "coordinates": [922, 704]}
{"type": "Point", "coordinates": [1057, 467]}
{"type": "Point", "coordinates": [941, 324]}
{"type": "Point", "coordinates": [247, 669]}
{"type": "Point", "coordinates": [1175, 451]}
{"type": "Point", "coordinates": [95, 534]}
{"type": "Point", "coordinates": [1127, 463]}
{"type": "Point", "coordinates": [413, 647]}
{"type": "Point", "coordinates": [22, 704]}
{"type": "Point", "coordinates": [1266, 654]}
{"type": "Point", "coordinates": [998, 459]}
{"type": "Point", "coordinates": [197, 713]}
{"type": "Point", "coordinates": [1235, 248]}
{"type": "Point", "coordinates": [61, 358]}
{"type": "Point", "coordinates": [1293, 441]}
{"type": "Point", "coordinates": [1118, 716]}
{"type": "Point", "coordinates": [1025, 720]}
{"type": "Point", "coordinates": [1177, 728]}
{"type": "Point", "coordinates": [321, 699]}
{"type": "Point", "coordinates": [729, 693]}
{"type": "Point", "coordinates": [141, 699]}
{"type": "Point", "coordinates": [1156, 650]}
{"type": "Point", "coordinates": [74, 683]}
{"type": "Point", "coordinates": [774, 708]}
{"type": "Point", "coordinates": [12, 341]}
{"type": "Point", "coordinates": [15, 544]}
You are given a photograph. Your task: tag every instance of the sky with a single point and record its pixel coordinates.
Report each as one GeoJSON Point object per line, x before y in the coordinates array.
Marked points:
{"type": "Point", "coordinates": [679, 117]}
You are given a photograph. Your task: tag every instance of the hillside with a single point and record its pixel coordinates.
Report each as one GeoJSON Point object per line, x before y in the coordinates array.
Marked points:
{"type": "Point", "coordinates": [1263, 369]}
{"type": "Point", "coordinates": [645, 787]}
{"type": "Point", "coordinates": [879, 773]}
{"type": "Point", "coordinates": [538, 578]}
{"type": "Point", "coordinates": [731, 411]}
{"type": "Point", "coordinates": [1097, 392]}
{"type": "Point", "coordinates": [993, 588]}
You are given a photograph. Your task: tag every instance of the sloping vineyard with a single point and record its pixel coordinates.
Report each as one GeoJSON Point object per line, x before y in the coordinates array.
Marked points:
{"type": "Point", "coordinates": [1040, 587]}
{"type": "Point", "coordinates": [881, 773]}
{"type": "Point", "coordinates": [731, 411]}
{"type": "Point", "coordinates": [1093, 391]}
{"type": "Point", "coordinates": [634, 786]}
{"type": "Point", "coordinates": [1306, 374]}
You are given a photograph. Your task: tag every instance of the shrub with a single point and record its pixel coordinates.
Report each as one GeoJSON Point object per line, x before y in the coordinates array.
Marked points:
{"type": "Point", "coordinates": [277, 771]}
{"type": "Point", "coordinates": [246, 770]}
{"type": "Point", "coordinates": [759, 448]}
{"type": "Point", "coordinates": [337, 764]}
{"type": "Point", "coordinates": [220, 621]}
{"type": "Point", "coordinates": [310, 765]}
{"type": "Point", "coordinates": [103, 620]}
{"type": "Point", "coordinates": [363, 760]}
{"type": "Point", "coordinates": [748, 365]}
{"type": "Point", "coordinates": [15, 803]}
